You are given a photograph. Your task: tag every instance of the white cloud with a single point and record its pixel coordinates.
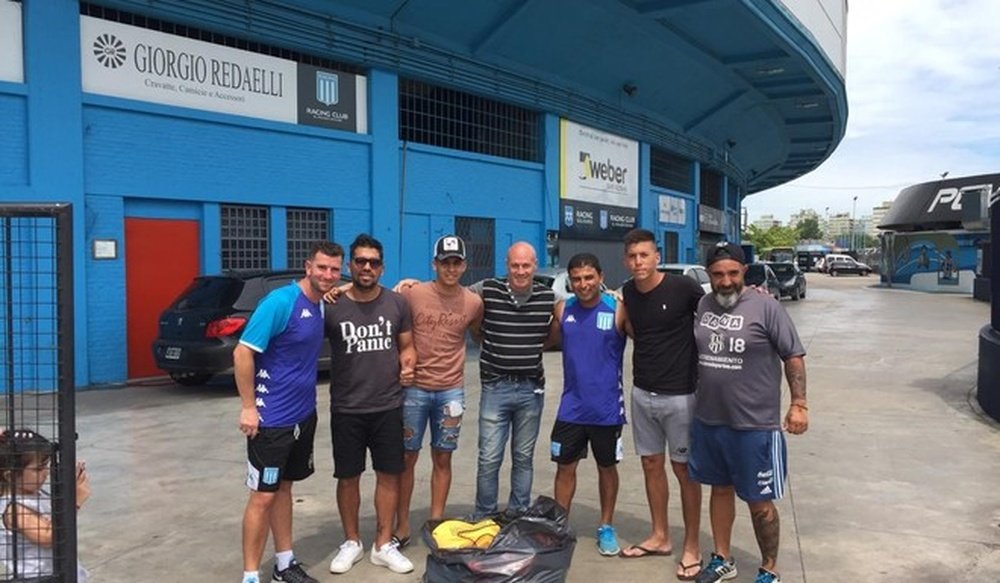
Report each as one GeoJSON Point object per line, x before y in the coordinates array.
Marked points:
{"type": "Point", "coordinates": [922, 99]}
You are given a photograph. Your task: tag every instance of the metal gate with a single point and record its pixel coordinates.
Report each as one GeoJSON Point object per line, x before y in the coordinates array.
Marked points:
{"type": "Point", "coordinates": [480, 242]}
{"type": "Point", "coordinates": [37, 417]}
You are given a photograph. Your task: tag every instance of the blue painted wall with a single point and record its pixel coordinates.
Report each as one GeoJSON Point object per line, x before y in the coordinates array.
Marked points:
{"type": "Point", "coordinates": [13, 137]}
{"type": "Point", "coordinates": [106, 349]}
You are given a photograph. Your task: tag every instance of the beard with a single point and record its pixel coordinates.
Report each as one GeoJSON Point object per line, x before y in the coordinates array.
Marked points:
{"type": "Point", "coordinates": [728, 298]}
{"type": "Point", "coordinates": [365, 286]}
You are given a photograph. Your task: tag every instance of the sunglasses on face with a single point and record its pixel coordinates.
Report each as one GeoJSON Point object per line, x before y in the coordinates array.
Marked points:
{"type": "Point", "coordinates": [374, 262]}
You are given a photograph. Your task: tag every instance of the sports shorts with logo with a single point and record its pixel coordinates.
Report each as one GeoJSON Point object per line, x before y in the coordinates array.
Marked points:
{"type": "Point", "coordinates": [753, 461]}
{"type": "Point", "coordinates": [569, 443]}
{"type": "Point", "coordinates": [280, 453]}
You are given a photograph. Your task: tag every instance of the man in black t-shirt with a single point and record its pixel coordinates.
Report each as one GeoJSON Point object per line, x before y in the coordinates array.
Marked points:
{"type": "Point", "coordinates": [660, 308]}
{"type": "Point", "coordinates": [372, 358]}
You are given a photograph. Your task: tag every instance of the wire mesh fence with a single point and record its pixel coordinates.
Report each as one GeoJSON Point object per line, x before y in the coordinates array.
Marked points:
{"type": "Point", "coordinates": [38, 472]}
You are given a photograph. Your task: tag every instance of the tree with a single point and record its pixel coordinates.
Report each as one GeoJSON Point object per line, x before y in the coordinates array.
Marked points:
{"type": "Point", "coordinates": [809, 228]}
{"type": "Point", "coordinates": [773, 237]}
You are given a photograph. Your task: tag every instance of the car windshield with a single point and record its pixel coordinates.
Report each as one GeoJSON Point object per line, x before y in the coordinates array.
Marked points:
{"type": "Point", "coordinates": [783, 270]}
{"type": "Point", "coordinates": [545, 280]}
{"type": "Point", "coordinates": [755, 274]}
{"type": "Point", "coordinates": [209, 293]}
{"type": "Point", "coordinates": [673, 270]}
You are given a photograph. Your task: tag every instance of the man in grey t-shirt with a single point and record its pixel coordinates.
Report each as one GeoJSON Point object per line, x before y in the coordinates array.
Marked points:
{"type": "Point", "coordinates": [372, 358]}
{"type": "Point", "coordinates": [737, 445]}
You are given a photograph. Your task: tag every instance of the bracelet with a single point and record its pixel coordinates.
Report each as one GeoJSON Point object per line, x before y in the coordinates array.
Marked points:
{"type": "Point", "coordinates": [800, 406]}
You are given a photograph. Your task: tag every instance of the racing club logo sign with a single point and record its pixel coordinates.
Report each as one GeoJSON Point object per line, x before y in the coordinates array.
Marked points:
{"type": "Point", "coordinates": [327, 88]}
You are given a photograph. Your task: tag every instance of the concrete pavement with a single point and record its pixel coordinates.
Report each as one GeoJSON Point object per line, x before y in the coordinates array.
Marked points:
{"type": "Point", "coordinates": [896, 480]}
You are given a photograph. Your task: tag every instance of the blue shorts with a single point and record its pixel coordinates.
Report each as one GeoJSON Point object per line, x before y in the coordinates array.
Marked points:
{"type": "Point", "coordinates": [751, 461]}
{"type": "Point", "coordinates": [442, 408]}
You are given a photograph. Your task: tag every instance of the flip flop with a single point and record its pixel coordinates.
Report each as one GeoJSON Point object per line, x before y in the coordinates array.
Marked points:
{"type": "Point", "coordinates": [401, 543]}
{"type": "Point", "coordinates": [686, 568]}
{"type": "Point", "coordinates": [643, 552]}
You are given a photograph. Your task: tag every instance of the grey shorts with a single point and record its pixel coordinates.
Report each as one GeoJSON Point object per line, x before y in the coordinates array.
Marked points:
{"type": "Point", "coordinates": [662, 424]}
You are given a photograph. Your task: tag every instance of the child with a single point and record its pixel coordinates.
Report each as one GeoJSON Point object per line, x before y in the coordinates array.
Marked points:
{"type": "Point", "coordinates": [25, 505]}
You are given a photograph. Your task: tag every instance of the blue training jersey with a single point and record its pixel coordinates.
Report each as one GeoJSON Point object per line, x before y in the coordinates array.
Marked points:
{"type": "Point", "coordinates": [286, 332]}
{"type": "Point", "coordinates": [592, 350]}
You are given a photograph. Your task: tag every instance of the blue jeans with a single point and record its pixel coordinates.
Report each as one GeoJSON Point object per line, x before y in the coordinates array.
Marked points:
{"type": "Point", "coordinates": [514, 407]}
{"type": "Point", "coordinates": [442, 408]}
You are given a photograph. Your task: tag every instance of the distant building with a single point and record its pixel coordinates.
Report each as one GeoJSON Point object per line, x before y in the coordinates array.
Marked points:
{"type": "Point", "coordinates": [878, 214]}
{"type": "Point", "coordinates": [802, 215]}
{"type": "Point", "coordinates": [765, 222]}
{"type": "Point", "coordinates": [839, 225]}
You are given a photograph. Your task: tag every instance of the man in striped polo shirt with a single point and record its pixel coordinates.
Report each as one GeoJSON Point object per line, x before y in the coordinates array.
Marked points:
{"type": "Point", "coordinates": [516, 316]}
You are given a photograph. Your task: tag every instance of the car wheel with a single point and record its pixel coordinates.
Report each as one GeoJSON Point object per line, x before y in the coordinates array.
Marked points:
{"type": "Point", "coordinates": [795, 295]}
{"type": "Point", "coordinates": [190, 379]}
{"type": "Point", "coordinates": [833, 273]}
{"type": "Point", "coordinates": [803, 294]}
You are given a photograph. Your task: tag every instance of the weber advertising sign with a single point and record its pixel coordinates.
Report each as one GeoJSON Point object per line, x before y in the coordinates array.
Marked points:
{"type": "Point", "coordinates": [136, 63]}
{"type": "Point", "coordinates": [599, 183]}
{"type": "Point", "coordinates": [11, 44]}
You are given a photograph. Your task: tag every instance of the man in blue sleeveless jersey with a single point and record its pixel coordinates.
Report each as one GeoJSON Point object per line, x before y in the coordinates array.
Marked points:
{"type": "Point", "coordinates": [592, 327]}
{"type": "Point", "coordinates": [275, 369]}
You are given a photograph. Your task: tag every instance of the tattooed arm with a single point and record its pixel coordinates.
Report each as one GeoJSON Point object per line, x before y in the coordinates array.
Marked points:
{"type": "Point", "coordinates": [797, 418]}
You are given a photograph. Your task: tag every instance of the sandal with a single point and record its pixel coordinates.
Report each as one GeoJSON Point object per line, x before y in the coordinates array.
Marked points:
{"type": "Point", "coordinates": [686, 568]}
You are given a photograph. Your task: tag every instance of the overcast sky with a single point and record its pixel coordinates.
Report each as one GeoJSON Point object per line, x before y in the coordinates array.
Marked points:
{"type": "Point", "coordinates": [923, 92]}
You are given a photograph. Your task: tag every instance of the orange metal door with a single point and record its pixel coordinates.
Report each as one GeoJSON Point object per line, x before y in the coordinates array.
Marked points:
{"type": "Point", "coordinates": [161, 258]}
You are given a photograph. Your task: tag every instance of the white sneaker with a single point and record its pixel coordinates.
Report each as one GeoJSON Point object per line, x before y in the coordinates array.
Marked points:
{"type": "Point", "coordinates": [350, 552]}
{"type": "Point", "coordinates": [389, 556]}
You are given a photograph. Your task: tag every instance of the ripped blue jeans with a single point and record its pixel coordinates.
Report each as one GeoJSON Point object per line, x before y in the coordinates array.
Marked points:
{"type": "Point", "coordinates": [442, 408]}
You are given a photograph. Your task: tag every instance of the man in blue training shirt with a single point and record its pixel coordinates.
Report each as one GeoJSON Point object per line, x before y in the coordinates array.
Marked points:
{"type": "Point", "coordinates": [592, 328]}
{"type": "Point", "coordinates": [275, 369]}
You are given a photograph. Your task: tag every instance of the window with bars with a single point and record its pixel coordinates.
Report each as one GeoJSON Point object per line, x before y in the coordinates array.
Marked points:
{"type": "Point", "coordinates": [711, 188]}
{"type": "Point", "coordinates": [480, 247]}
{"type": "Point", "coordinates": [667, 170]}
{"type": "Point", "coordinates": [245, 237]}
{"type": "Point", "coordinates": [304, 227]}
{"type": "Point", "coordinates": [444, 117]}
{"type": "Point", "coordinates": [124, 17]}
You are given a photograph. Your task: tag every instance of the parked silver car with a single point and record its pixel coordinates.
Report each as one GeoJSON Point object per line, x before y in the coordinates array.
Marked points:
{"type": "Point", "coordinates": [692, 270]}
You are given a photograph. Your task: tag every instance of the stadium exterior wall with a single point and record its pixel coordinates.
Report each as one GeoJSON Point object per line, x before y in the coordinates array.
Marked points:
{"type": "Point", "coordinates": [116, 158]}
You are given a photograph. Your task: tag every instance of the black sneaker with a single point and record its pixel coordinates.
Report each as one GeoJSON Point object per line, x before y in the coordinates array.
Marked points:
{"type": "Point", "coordinates": [293, 574]}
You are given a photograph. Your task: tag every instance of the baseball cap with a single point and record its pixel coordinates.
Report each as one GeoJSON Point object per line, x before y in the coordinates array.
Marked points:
{"type": "Point", "coordinates": [725, 250]}
{"type": "Point", "coordinates": [449, 246]}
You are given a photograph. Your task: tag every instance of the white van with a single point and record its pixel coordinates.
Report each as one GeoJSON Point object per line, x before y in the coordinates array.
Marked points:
{"type": "Point", "coordinates": [823, 263]}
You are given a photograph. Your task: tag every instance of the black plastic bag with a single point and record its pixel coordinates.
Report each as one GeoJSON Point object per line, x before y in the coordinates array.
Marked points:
{"type": "Point", "coordinates": [535, 546]}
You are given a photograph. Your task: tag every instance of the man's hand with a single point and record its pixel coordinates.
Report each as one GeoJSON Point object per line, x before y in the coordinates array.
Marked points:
{"type": "Point", "coordinates": [797, 419]}
{"type": "Point", "coordinates": [405, 283]}
{"type": "Point", "coordinates": [331, 296]}
{"type": "Point", "coordinates": [249, 421]}
{"type": "Point", "coordinates": [407, 376]}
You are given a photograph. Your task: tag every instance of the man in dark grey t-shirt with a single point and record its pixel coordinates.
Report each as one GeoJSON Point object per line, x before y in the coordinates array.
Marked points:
{"type": "Point", "coordinates": [737, 445]}
{"type": "Point", "coordinates": [372, 359]}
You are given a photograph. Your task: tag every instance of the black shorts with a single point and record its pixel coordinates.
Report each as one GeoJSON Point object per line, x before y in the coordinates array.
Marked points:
{"type": "Point", "coordinates": [353, 433]}
{"type": "Point", "coordinates": [279, 454]}
{"type": "Point", "coordinates": [569, 443]}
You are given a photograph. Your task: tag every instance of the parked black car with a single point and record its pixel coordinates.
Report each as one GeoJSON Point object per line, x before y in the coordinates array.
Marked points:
{"type": "Point", "coordinates": [199, 330]}
{"type": "Point", "coordinates": [848, 265]}
{"type": "Point", "coordinates": [791, 280]}
{"type": "Point", "coordinates": [761, 275]}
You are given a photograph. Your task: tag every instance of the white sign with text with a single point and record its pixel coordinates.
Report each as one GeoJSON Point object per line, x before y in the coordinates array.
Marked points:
{"type": "Point", "coordinates": [11, 42]}
{"type": "Point", "coordinates": [598, 167]}
{"type": "Point", "coordinates": [673, 209]}
{"type": "Point", "coordinates": [137, 63]}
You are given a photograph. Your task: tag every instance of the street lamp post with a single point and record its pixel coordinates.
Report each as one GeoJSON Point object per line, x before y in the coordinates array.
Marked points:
{"type": "Point", "coordinates": [854, 208]}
